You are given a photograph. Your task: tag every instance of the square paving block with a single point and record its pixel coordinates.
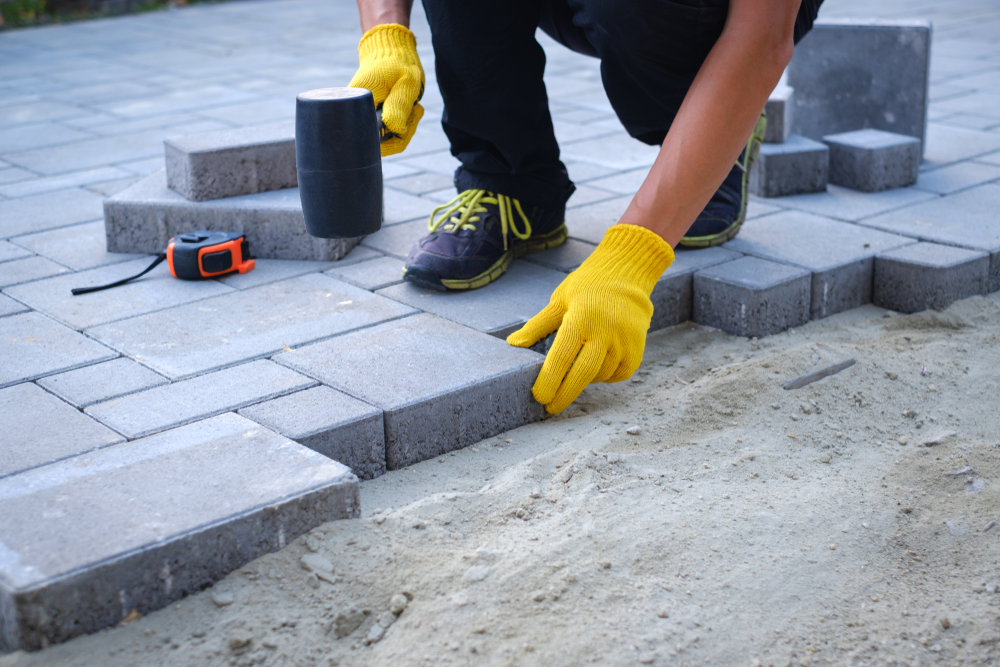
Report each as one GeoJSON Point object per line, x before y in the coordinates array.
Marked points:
{"type": "Point", "coordinates": [79, 247]}
{"type": "Point", "coordinates": [246, 325]}
{"type": "Point", "coordinates": [846, 204]}
{"type": "Point", "coordinates": [9, 251]}
{"type": "Point", "coordinates": [48, 210]}
{"type": "Point", "coordinates": [873, 160]}
{"type": "Point", "coordinates": [839, 255]}
{"type": "Point", "coordinates": [27, 269]}
{"type": "Point", "coordinates": [170, 405]}
{"type": "Point", "coordinates": [441, 386]}
{"type": "Point", "coordinates": [228, 163]}
{"type": "Point", "coordinates": [144, 217]}
{"type": "Point", "coordinates": [751, 297]}
{"type": "Point", "coordinates": [371, 275]}
{"type": "Point", "coordinates": [616, 151]}
{"type": "Point", "coordinates": [139, 525]}
{"type": "Point", "coordinates": [497, 309]}
{"type": "Point", "coordinates": [331, 423]}
{"type": "Point", "coordinates": [267, 271]}
{"type": "Point", "coordinates": [9, 306]}
{"type": "Point", "coordinates": [32, 345]}
{"type": "Point", "coordinates": [795, 166]}
{"type": "Point", "coordinates": [38, 428]}
{"type": "Point", "coordinates": [779, 114]}
{"type": "Point", "coordinates": [955, 177]}
{"type": "Point", "coordinates": [156, 290]}
{"type": "Point", "coordinates": [396, 240]}
{"type": "Point", "coordinates": [967, 219]}
{"type": "Point", "coordinates": [100, 382]}
{"type": "Point", "coordinates": [588, 223]}
{"type": "Point", "coordinates": [928, 275]}
{"type": "Point", "coordinates": [673, 295]}
{"type": "Point", "coordinates": [851, 74]}
{"type": "Point", "coordinates": [565, 258]}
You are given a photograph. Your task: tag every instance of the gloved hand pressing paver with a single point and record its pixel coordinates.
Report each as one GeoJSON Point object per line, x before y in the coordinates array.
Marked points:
{"type": "Point", "coordinates": [602, 311]}
{"type": "Point", "coordinates": [391, 69]}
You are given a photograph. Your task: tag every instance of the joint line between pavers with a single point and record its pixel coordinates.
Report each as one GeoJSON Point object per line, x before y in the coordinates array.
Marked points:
{"type": "Point", "coordinates": [33, 378]}
{"type": "Point", "coordinates": [49, 229]}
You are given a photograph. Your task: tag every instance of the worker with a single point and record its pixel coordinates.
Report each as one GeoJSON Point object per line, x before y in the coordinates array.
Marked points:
{"type": "Point", "coordinates": [691, 76]}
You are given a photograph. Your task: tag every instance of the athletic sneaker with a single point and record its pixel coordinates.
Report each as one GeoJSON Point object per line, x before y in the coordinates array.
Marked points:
{"type": "Point", "coordinates": [476, 237]}
{"type": "Point", "coordinates": [725, 212]}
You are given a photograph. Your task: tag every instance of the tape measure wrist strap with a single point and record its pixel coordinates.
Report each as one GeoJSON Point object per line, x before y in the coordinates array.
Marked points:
{"type": "Point", "coordinates": [86, 290]}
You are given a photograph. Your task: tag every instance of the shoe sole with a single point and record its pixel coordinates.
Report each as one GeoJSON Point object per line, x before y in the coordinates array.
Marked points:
{"type": "Point", "coordinates": [756, 139]}
{"type": "Point", "coordinates": [427, 278]}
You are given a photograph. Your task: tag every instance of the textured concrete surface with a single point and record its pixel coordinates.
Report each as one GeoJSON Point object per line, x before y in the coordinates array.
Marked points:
{"type": "Point", "coordinates": [153, 521]}
{"type": "Point", "coordinates": [565, 258]}
{"type": "Point", "coordinates": [795, 166]}
{"type": "Point", "coordinates": [779, 114]}
{"type": "Point", "coordinates": [673, 295]}
{"type": "Point", "coordinates": [228, 163]}
{"type": "Point", "coordinates": [329, 422]}
{"type": "Point", "coordinates": [751, 297]}
{"type": "Point", "coordinates": [100, 382]}
{"type": "Point", "coordinates": [873, 160]}
{"type": "Point", "coordinates": [928, 275]}
{"type": "Point", "coordinates": [371, 275]}
{"type": "Point", "coordinates": [442, 386]}
{"type": "Point", "coordinates": [34, 346]}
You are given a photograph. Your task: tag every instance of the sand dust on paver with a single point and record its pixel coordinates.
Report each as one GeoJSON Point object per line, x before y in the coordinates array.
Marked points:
{"type": "Point", "coordinates": [697, 514]}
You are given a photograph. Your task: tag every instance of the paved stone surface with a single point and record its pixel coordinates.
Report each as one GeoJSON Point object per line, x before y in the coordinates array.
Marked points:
{"type": "Point", "coordinates": [510, 302]}
{"type": "Point", "coordinates": [171, 405]}
{"type": "Point", "coordinates": [928, 275]}
{"type": "Point", "coordinates": [589, 223]}
{"type": "Point", "coordinates": [9, 251]}
{"type": "Point", "coordinates": [873, 160]}
{"type": "Point", "coordinates": [396, 240]}
{"type": "Point", "coordinates": [9, 306]}
{"type": "Point", "coordinates": [851, 205]}
{"type": "Point", "coordinates": [227, 163]}
{"type": "Point", "coordinates": [252, 324]}
{"type": "Point", "coordinates": [63, 432]}
{"type": "Point", "coordinates": [955, 177]}
{"type": "Point", "coordinates": [779, 114]}
{"type": "Point", "coordinates": [967, 219]}
{"type": "Point", "coordinates": [673, 295]}
{"type": "Point", "coordinates": [144, 217]}
{"type": "Point", "coordinates": [563, 258]}
{"type": "Point", "coordinates": [853, 74]}
{"type": "Point", "coordinates": [32, 346]}
{"type": "Point", "coordinates": [751, 297]}
{"type": "Point", "coordinates": [839, 255]}
{"type": "Point", "coordinates": [100, 382]}
{"type": "Point", "coordinates": [45, 211]}
{"type": "Point", "coordinates": [27, 269]}
{"type": "Point", "coordinates": [189, 506]}
{"type": "Point", "coordinates": [371, 275]}
{"type": "Point", "coordinates": [78, 247]}
{"type": "Point", "coordinates": [154, 291]}
{"type": "Point", "coordinates": [442, 386]}
{"type": "Point", "coordinates": [331, 423]}
{"type": "Point", "coordinates": [795, 166]}
{"type": "Point", "coordinates": [271, 271]}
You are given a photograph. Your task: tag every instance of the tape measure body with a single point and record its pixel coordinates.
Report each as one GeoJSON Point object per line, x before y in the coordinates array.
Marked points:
{"type": "Point", "coordinates": [200, 255]}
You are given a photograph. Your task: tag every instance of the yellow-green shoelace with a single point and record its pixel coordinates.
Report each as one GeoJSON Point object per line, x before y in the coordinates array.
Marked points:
{"type": "Point", "coordinates": [470, 202]}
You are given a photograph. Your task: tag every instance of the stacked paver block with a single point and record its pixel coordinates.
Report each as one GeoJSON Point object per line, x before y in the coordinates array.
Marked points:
{"type": "Point", "coordinates": [153, 521]}
{"type": "Point", "coordinates": [852, 74]}
{"type": "Point", "coordinates": [144, 217]}
{"type": "Point", "coordinates": [779, 114]}
{"type": "Point", "coordinates": [331, 423]}
{"type": "Point", "coordinates": [673, 295]}
{"type": "Point", "coordinates": [928, 275]}
{"type": "Point", "coordinates": [440, 385]}
{"type": "Point", "coordinates": [228, 163]}
{"type": "Point", "coordinates": [795, 166]}
{"type": "Point", "coordinates": [873, 160]}
{"type": "Point", "coordinates": [839, 255]}
{"type": "Point", "coordinates": [751, 297]}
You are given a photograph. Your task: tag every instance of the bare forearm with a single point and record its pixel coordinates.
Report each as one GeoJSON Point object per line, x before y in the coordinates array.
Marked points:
{"type": "Point", "coordinates": [377, 12]}
{"type": "Point", "coordinates": [716, 118]}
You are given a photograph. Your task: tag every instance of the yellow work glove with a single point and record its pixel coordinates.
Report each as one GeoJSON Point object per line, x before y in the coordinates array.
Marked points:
{"type": "Point", "coordinates": [390, 68]}
{"type": "Point", "coordinates": [602, 311]}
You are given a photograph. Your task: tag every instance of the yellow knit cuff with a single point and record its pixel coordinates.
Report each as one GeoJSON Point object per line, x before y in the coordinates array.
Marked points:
{"type": "Point", "coordinates": [637, 252]}
{"type": "Point", "coordinates": [387, 37]}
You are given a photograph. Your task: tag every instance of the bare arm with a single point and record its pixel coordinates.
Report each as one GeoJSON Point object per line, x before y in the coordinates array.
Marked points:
{"type": "Point", "coordinates": [717, 116]}
{"type": "Point", "coordinates": [377, 12]}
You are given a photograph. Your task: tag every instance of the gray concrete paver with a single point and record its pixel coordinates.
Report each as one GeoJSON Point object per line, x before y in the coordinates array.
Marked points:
{"type": "Point", "coordinates": [47, 184]}
{"type": "Point", "coordinates": [850, 205]}
{"type": "Point", "coordinates": [565, 257]}
{"type": "Point", "coordinates": [79, 247]}
{"type": "Point", "coordinates": [25, 270]}
{"type": "Point", "coordinates": [48, 210]}
{"type": "Point", "coordinates": [873, 160]}
{"type": "Point", "coordinates": [955, 177]}
{"type": "Point", "coordinates": [34, 346]}
{"type": "Point", "coordinates": [9, 251]}
{"type": "Point", "coordinates": [9, 306]}
{"type": "Point", "coordinates": [100, 382]}
{"type": "Point", "coordinates": [673, 295]}
{"type": "Point", "coordinates": [372, 275]}
{"type": "Point", "coordinates": [929, 275]}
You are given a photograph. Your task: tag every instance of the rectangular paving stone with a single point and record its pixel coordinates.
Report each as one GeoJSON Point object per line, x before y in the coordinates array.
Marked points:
{"type": "Point", "coordinates": [156, 290]}
{"type": "Point", "coordinates": [268, 271]}
{"type": "Point", "coordinates": [588, 223]}
{"type": "Point", "coordinates": [9, 251]}
{"type": "Point", "coordinates": [27, 269]}
{"type": "Point", "coordinates": [186, 99]}
{"type": "Point", "coordinates": [91, 153]}
{"type": "Point", "coordinates": [227, 163]}
{"type": "Point", "coordinates": [36, 185]}
{"type": "Point", "coordinates": [929, 275]}
{"type": "Point", "coordinates": [846, 204]}
{"type": "Point", "coordinates": [967, 219]}
{"type": "Point", "coordinates": [37, 135]}
{"type": "Point", "coordinates": [873, 160]}
{"type": "Point", "coordinates": [955, 177]}
{"type": "Point", "coordinates": [45, 211]}
{"type": "Point", "coordinates": [144, 217]}
{"type": "Point", "coordinates": [9, 306]}
{"type": "Point", "coordinates": [852, 74]}
{"type": "Point", "coordinates": [100, 382]}
{"type": "Point", "coordinates": [565, 258]}
{"type": "Point", "coordinates": [396, 240]}
{"type": "Point", "coordinates": [331, 423]}
{"type": "Point", "coordinates": [167, 406]}
{"type": "Point", "coordinates": [372, 275]}
{"type": "Point", "coordinates": [673, 295]}
{"type": "Point", "coordinates": [946, 144]}
{"type": "Point", "coordinates": [751, 297]}
{"type": "Point", "coordinates": [441, 386]}
{"type": "Point", "coordinates": [616, 151]}
{"type": "Point", "coordinates": [154, 521]}
{"type": "Point", "coordinates": [32, 346]}
{"type": "Point", "coordinates": [795, 166]}
{"type": "Point", "coordinates": [79, 247]}
{"type": "Point", "coordinates": [839, 255]}
{"type": "Point", "coordinates": [39, 428]}
{"type": "Point", "coordinates": [497, 309]}
{"type": "Point", "coordinates": [245, 325]}
{"type": "Point", "coordinates": [779, 114]}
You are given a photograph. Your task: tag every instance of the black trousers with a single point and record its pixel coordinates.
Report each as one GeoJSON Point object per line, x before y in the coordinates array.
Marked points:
{"type": "Point", "coordinates": [489, 70]}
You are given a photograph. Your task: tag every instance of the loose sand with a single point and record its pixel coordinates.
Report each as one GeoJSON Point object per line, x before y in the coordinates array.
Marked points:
{"type": "Point", "coordinates": [743, 524]}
